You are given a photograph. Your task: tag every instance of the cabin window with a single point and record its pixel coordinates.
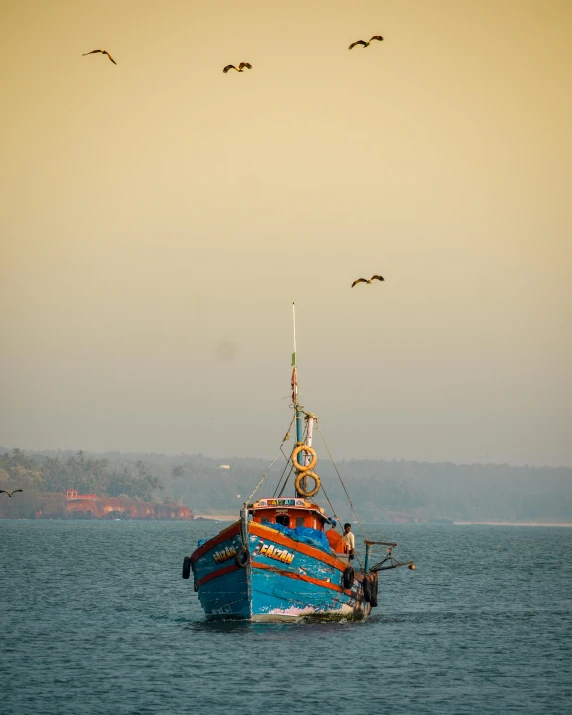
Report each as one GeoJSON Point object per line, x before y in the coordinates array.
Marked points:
{"type": "Point", "coordinates": [300, 521]}
{"type": "Point", "coordinates": [283, 519]}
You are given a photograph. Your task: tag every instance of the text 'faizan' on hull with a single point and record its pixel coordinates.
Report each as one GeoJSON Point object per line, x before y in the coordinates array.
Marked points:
{"type": "Point", "coordinates": [279, 554]}
{"type": "Point", "coordinates": [227, 553]}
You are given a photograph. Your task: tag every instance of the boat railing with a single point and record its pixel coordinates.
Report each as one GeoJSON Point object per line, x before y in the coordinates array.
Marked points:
{"type": "Point", "coordinates": [388, 562]}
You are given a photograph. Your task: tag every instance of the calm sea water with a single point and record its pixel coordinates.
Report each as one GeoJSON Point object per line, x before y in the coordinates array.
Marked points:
{"type": "Point", "coordinates": [95, 618]}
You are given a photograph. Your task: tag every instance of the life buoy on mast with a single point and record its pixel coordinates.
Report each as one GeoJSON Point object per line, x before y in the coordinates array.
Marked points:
{"type": "Point", "coordinates": [307, 450]}
{"type": "Point", "coordinates": [301, 490]}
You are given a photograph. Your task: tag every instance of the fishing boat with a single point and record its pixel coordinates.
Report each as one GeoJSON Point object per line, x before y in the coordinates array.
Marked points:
{"type": "Point", "coordinates": [277, 562]}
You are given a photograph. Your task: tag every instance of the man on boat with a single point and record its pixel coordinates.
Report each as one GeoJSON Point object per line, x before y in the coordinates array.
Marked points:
{"type": "Point", "coordinates": [349, 541]}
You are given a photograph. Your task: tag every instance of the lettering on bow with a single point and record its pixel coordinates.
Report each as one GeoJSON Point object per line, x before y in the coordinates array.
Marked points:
{"type": "Point", "coordinates": [224, 554]}
{"type": "Point", "coordinates": [274, 553]}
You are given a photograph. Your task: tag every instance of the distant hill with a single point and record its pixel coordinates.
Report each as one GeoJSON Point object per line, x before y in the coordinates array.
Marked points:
{"type": "Point", "coordinates": [380, 490]}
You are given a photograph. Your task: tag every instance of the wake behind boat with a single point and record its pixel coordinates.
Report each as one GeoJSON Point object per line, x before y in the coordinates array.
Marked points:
{"type": "Point", "coordinates": [277, 562]}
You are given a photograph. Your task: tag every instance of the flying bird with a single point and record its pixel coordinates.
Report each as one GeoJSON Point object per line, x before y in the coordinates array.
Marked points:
{"type": "Point", "coordinates": [366, 44]}
{"type": "Point", "coordinates": [3, 491]}
{"type": "Point", "coordinates": [240, 67]}
{"type": "Point", "coordinates": [364, 280]}
{"type": "Point", "coordinates": [103, 52]}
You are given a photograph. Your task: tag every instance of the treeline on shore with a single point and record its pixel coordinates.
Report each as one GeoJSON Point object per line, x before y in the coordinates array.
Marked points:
{"type": "Point", "coordinates": [380, 490]}
{"type": "Point", "coordinates": [78, 471]}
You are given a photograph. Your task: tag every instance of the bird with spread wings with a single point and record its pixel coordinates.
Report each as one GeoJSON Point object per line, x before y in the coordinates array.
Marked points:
{"type": "Point", "coordinates": [240, 67]}
{"type": "Point", "coordinates": [364, 280]}
{"type": "Point", "coordinates": [3, 491]}
{"type": "Point", "coordinates": [364, 44]}
{"type": "Point", "coordinates": [103, 52]}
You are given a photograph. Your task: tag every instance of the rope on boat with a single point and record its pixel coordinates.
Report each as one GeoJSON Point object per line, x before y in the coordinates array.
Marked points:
{"type": "Point", "coordinates": [393, 562]}
{"type": "Point", "coordinates": [341, 480]}
{"type": "Point", "coordinates": [337, 518]}
{"type": "Point", "coordinates": [288, 462]}
{"type": "Point", "coordinates": [286, 438]}
{"type": "Point", "coordinates": [257, 487]}
{"type": "Point", "coordinates": [281, 492]}
{"type": "Point", "coordinates": [283, 471]}
{"type": "Point", "coordinates": [339, 522]}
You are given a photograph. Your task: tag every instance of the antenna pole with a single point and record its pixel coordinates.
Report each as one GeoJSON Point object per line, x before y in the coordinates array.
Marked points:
{"type": "Point", "coordinates": [299, 413]}
{"type": "Point", "coordinates": [294, 326]}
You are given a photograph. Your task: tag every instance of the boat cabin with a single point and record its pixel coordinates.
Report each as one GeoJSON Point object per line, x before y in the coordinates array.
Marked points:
{"type": "Point", "coordinates": [290, 511]}
{"type": "Point", "coordinates": [294, 512]}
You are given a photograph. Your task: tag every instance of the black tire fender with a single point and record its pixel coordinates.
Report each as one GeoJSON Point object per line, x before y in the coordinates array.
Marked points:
{"type": "Point", "coordinates": [348, 577]}
{"type": "Point", "coordinates": [242, 558]}
{"type": "Point", "coordinates": [374, 588]}
{"type": "Point", "coordinates": [366, 585]}
{"type": "Point", "coordinates": [187, 566]}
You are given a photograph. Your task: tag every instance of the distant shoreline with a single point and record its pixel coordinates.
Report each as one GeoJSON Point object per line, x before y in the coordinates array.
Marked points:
{"type": "Point", "coordinates": [234, 517]}
{"type": "Point", "coordinates": [511, 523]}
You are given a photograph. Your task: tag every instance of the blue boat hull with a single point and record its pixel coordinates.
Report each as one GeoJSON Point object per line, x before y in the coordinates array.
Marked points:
{"type": "Point", "coordinates": [281, 580]}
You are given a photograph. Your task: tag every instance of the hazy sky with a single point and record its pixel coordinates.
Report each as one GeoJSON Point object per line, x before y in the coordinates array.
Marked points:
{"type": "Point", "coordinates": [158, 217]}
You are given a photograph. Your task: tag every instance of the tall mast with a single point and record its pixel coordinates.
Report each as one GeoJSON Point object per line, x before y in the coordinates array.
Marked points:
{"type": "Point", "coordinates": [294, 382]}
